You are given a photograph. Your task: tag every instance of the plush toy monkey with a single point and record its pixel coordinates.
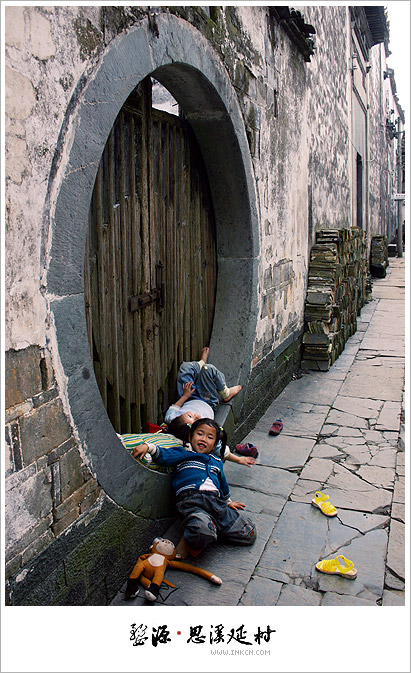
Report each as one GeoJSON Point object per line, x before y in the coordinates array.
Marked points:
{"type": "Point", "coordinates": [150, 569]}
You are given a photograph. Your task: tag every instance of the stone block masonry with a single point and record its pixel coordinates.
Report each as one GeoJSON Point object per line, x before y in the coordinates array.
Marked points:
{"type": "Point", "coordinates": [23, 376]}
{"type": "Point", "coordinates": [47, 486]}
{"type": "Point", "coordinates": [83, 566]}
{"type": "Point", "coordinates": [379, 256]}
{"type": "Point", "coordinates": [337, 290]}
{"type": "Point", "coordinates": [50, 491]}
{"type": "Point", "coordinates": [42, 430]}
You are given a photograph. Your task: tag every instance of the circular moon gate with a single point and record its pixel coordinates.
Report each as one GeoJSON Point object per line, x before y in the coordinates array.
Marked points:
{"type": "Point", "coordinates": [183, 61]}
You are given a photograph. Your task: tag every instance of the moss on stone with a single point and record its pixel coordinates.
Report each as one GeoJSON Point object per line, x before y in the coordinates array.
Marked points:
{"type": "Point", "coordinates": [232, 23]}
{"type": "Point", "coordinates": [215, 14]}
{"type": "Point", "coordinates": [251, 119]}
{"type": "Point", "coordinates": [88, 37]}
{"type": "Point", "coordinates": [241, 77]}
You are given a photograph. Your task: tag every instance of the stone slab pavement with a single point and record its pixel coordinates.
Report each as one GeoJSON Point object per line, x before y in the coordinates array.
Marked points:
{"type": "Point", "coordinates": [344, 435]}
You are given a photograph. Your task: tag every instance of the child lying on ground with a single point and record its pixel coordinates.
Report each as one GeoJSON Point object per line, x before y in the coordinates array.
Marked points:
{"type": "Point", "coordinates": [202, 492]}
{"type": "Point", "coordinates": [198, 384]}
{"type": "Point", "coordinates": [174, 435]}
{"type": "Point", "coordinates": [202, 383]}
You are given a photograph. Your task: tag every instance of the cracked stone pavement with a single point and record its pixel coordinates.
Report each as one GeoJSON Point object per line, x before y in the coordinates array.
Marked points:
{"type": "Point", "coordinates": [344, 435]}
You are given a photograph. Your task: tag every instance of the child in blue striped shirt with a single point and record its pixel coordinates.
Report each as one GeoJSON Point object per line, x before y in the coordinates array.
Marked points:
{"type": "Point", "coordinates": [201, 488]}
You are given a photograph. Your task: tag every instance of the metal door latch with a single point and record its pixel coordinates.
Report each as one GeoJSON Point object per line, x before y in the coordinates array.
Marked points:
{"type": "Point", "coordinates": [156, 294]}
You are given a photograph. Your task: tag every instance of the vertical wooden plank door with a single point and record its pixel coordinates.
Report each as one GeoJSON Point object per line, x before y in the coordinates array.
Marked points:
{"type": "Point", "coordinates": [150, 263]}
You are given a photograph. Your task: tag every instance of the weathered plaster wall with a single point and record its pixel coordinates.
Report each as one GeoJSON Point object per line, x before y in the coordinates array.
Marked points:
{"type": "Point", "coordinates": [382, 147]}
{"type": "Point", "coordinates": [281, 172]}
{"type": "Point", "coordinates": [328, 119]}
{"type": "Point", "coordinates": [377, 142]}
{"type": "Point", "coordinates": [44, 65]}
{"type": "Point", "coordinates": [305, 136]}
{"type": "Point", "coordinates": [63, 529]}
{"type": "Point", "coordinates": [303, 183]}
{"type": "Point", "coordinates": [392, 148]}
{"type": "Point", "coordinates": [66, 539]}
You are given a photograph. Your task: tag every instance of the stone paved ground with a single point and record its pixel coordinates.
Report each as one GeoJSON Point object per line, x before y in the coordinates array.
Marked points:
{"type": "Point", "coordinates": [344, 435]}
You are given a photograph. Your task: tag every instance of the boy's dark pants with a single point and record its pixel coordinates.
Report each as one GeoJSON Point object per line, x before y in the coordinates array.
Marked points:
{"type": "Point", "coordinates": [207, 516]}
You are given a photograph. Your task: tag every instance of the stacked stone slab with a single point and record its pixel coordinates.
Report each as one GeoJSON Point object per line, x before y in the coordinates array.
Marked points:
{"type": "Point", "coordinates": [379, 256]}
{"type": "Point", "coordinates": [338, 287]}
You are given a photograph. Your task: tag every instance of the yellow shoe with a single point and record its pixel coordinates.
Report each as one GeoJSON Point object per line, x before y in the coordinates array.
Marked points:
{"type": "Point", "coordinates": [321, 501]}
{"type": "Point", "coordinates": [338, 566]}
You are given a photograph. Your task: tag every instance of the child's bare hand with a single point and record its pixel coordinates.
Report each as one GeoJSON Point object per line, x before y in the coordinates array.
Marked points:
{"type": "Point", "coordinates": [246, 460]}
{"type": "Point", "coordinates": [236, 505]}
{"type": "Point", "coordinates": [241, 460]}
{"type": "Point", "coordinates": [188, 389]}
{"type": "Point", "coordinates": [140, 451]}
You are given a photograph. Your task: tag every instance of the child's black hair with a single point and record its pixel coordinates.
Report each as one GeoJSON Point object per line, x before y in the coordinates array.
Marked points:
{"type": "Point", "coordinates": [179, 429]}
{"type": "Point", "coordinates": [221, 433]}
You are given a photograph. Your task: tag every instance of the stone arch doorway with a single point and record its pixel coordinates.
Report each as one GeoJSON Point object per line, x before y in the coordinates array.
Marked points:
{"type": "Point", "coordinates": [183, 61]}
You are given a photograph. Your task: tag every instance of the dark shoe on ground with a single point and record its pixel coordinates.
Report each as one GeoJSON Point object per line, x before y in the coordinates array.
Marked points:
{"type": "Point", "coordinates": [276, 427]}
{"type": "Point", "coordinates": [247, 450]}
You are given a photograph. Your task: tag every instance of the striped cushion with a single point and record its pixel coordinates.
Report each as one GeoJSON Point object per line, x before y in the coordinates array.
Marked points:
{"type": "Point", "coordinates": [158, 438]}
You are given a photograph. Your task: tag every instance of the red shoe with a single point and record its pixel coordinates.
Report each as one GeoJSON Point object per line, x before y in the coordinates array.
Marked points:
{"type": "Point", "coordinates": [276, 427]}
{"type": "Point", "coordinates": [247, 450]}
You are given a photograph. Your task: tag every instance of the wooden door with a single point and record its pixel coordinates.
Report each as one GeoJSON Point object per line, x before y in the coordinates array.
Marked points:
{"type": "Point", "coordinates": [150, 264]}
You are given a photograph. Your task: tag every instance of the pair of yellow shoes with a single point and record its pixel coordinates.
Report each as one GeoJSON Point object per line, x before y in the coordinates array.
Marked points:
{"type": "Point", "coordinates": [338, 565]}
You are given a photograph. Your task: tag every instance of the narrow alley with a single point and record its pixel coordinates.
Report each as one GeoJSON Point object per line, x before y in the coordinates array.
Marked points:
{"type": "Point", "coordinates": [344, 435]}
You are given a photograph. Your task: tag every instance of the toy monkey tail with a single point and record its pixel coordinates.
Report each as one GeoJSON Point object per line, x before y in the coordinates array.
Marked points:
{"type": "Point", "coordinates": [146, 582]}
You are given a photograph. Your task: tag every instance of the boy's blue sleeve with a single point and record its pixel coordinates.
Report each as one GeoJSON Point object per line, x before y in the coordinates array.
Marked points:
{"type": "Point", "coordinates": [170, 455]}
{"type": "Point", "coordinates": [224, 487]}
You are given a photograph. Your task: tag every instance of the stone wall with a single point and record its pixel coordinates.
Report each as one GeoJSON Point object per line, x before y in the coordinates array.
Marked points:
{"type": "Point", "coordinates": [337, 289]}
{"type": "Point", "coordinates": [296, 138]}
{"type": "Point", "coordinates": [72, 531]}
{"type": "Point", "coordinates": [50, 491]}
{"type": "Point", "coordinates": [328, 121]}
{"type": "Point", "coordinates": [378, 201]}
{"type": "Point", "coordinates": [383, 146]}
